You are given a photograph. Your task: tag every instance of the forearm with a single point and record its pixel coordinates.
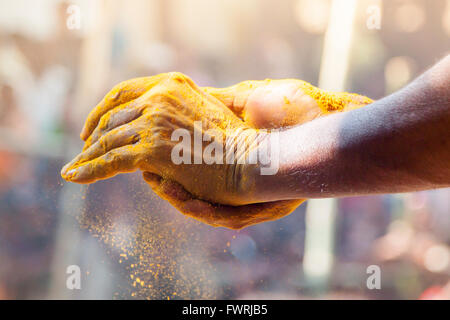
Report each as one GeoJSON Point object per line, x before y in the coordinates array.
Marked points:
{"type": "Point", "coordinates": [400, 143]}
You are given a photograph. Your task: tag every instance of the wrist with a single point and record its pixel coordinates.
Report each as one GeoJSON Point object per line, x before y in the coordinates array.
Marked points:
{"type": "Point", "coordinates": [256, 155]}
{"type": "Point", "coordinates": [269, 177]}
{"type": "Point", "coordinates": [306, 158]}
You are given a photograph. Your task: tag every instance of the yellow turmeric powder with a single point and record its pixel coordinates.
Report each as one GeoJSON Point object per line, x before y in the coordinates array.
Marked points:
{"type": "Point", "coordinates": [280, 103]}
{"type": "Point", "coordinates": [268, 104]}
{"type": "Point", "coordinates": [132, 128]}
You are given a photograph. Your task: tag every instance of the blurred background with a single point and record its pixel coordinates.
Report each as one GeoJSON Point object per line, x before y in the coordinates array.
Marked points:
{"type": "Point", "coordinates": [58, 59]}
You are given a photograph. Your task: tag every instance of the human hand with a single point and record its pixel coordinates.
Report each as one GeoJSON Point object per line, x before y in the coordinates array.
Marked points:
{"type": "Point", "coordinates": [123, 121]}
{"type": "Point", "coordinates": [261, 104]}
{"type": "Point", "coordinates": [282, 103]}
{"type": "Point", "coordinates": [131, 129]}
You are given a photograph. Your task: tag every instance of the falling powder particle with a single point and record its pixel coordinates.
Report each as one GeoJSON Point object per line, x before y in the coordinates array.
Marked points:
{"type": "Point", "coordinates": [160, 249]}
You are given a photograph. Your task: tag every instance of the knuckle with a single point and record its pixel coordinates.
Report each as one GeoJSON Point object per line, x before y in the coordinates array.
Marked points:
{"type": "Point", "coordinates": [120, 85]}
{"type": "Point", "coordinates": [103, 143]}
{"type": "Point", "coordinates": [117, 91]}
{"type": "Point", "coordinates": [160, 96]}
{"type": "Point", "coordinates": [176, 76]}
{"type": "Point", "coordinates": [104, 121]}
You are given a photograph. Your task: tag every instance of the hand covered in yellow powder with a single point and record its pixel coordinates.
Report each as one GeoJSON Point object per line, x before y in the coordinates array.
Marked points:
{"type": "Point", "coordinates": [131, 129]}
{"type": "Point", "coordinates": [265, 104]}
{"type": "Point", "coordinates": [282, 103]}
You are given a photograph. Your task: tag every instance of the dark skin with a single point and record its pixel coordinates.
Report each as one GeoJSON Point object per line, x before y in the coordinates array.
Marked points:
{"type": "Point", "coordinates": [397, 144]}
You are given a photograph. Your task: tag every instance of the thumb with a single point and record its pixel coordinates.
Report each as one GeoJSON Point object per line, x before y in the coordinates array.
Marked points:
{"type": "Point", "coordinates": [225, 95]}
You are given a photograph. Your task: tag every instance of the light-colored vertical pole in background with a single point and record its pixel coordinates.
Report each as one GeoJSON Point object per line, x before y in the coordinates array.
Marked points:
{"type": "Point", "coordinates": [320, 214]}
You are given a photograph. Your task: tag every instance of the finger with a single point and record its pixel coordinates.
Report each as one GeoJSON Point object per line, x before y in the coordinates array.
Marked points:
{"type": "Point", "coordinates": [152, 179]}
{"type": "Point", "coordinates": [113, 119]}
{"type": "Point", "coordinates": [233, 217]}
{"type": "Point", "coordinates": [121, 136]}
{"type": "Point", "coordinates": [238, 217]}
{"type": "Point", "coordinates": [122, 93]}
{"type": "Point", "coordinates": [166, 188]}
{"type": "Point", "coordinates": [231, 97]}
{"type": "Point", "coordinates": [234, 97]}
{"type": "Point", "coordinates": [120, 160]}
{"type": "Point", "coordinates": [178, 197]}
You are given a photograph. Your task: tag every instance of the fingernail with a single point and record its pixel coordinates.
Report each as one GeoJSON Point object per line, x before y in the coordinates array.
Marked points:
{"type": "Point", "coordinates": [83, 134]}
{"type": "Point", "coordinates": [64, 169]}
{"type": "Point", "coordinates": [70, 174]}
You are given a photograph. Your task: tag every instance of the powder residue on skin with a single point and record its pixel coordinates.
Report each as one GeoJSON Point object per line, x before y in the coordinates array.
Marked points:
{"type": "Point", "coordinates": [334, 101]}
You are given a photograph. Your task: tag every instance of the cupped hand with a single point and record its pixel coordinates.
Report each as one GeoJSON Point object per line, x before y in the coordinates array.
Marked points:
{"type": "Point", "coordinates": [261, 104]}
{"type": "Point", "coordinates": [131, 128]}
{"type": "Point", "coordinates": [215, 214]}
{"type": "Point", "coordinates": [282, 103]}
{"type": "Point", "coordinates": [128, 131]}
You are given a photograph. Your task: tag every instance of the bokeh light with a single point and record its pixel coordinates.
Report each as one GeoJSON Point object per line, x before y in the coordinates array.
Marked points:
{"type": "Point", "coordinates": [312, 16]}
{"type": "Point", "coordinates": [409, 17]}
{"type": "Point", "coordinates": [397, 72]}
{"type": "Point", "coordinates": [437, 258]}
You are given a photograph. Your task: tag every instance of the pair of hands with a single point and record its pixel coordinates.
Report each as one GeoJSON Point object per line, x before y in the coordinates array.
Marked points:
{"type": "Point", "coordinates": [130, 129]}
